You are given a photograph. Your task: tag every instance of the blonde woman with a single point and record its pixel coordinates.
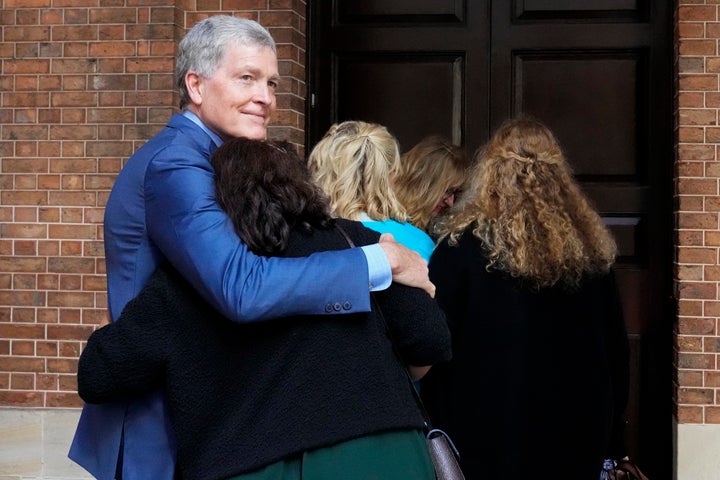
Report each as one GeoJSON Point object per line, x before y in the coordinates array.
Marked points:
{"type": "Point", "coordinates": [355, 164]}
{"type": "Point", "coordinates": [524, 272]}
{"type": "Point", "coordinates": [429, 179]}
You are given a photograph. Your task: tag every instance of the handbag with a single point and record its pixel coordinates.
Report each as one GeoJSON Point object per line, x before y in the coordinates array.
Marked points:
{"type": "Point", "coordinates": [621, 470]}
{"type": "Point", "coordinates": [443, 453]}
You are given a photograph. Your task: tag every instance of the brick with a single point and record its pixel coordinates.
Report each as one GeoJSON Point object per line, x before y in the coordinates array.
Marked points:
{"type": "Point", "coordinates": [74, 99]}
{"type": "Point", "coordinates": [697, 47]}
{"type": "Point", "coordinates": [712, 204]}
{"type": "Point", "coordinates": [70, 265]}
{"type": "Point", "coordinates": [26, 34]}
{"type": "Point", "coordinates": [712, 65]}
{"type": "Point", "coordinates": [698, 290]}
{"type": "Point", "coordinates": [24, 282]}
{"type": "Point", "coordinates": [696, 326]}
{"type": "Point", "coordinates": [693, 134]}
{"type": "Point", "coordinates": [697, 117]}
{"type": "Point", "coordinates": [70, 282]}
{"type": "Point", "coordinates": [47, 381]}
{"type": "Point", "coordinates": [696, 30]}
{"type": "Point", "coordinates": [712, 168]}
{"type": "Point", "coordinates": [83, 198]}
{"type": "Point", "coordinates": [711, 379]}
{"type": "Point", "coordinates": [22, 364]}
{"type": "Point", "coordinates": [690, 344]}
{"type": "Point", "coordinates": [697, 13]}
{"type": "Point", "coordinates": [698, 220]}
{"type": "Point", "coordinates": [69, 315]}
{"type": "Point", "coordinates": [111, 115]}
{"type": "Point", "coordinates": [61, 365]}
{"type": "Point", "coordinates": [70, 299]}
{"type": "Point", "coordinates": [697, 152]}
{"type": "Point", "coordinates": [710, 344]}
{"type": "Point", "coordinates": [711, 309]}
{"type": "Point", "coordinates": [695, 361]}
{"type": "Point", "coordinates": [691, 238]}
{"type": "Point", "coordinates": [689, 414]}
{"type": "Point", "coordinates": [712, 415]}
{"type": "Point", "coordinates": [65, 400]}
{"type": "Point", "coordinates": [30, 66]}
{"type": "Point", "coordinates": [690, 168]}
{"type": "Point", "coordinates": [114, 49]}
{"type": "Point", "coordinates": [112, 15]}
{"type": "Point", "coordinates": [22, 298]}
{"type": "Point", "coordinates": [106, 82]}
{"type": "Point", "coordinates": [23, 230]}
{"type": "Point", "coordinates": [149, 65]}
{"type": "Point", "coordinates": [21, 398]}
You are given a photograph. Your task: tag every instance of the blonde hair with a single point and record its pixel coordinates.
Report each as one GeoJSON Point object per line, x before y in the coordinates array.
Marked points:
{"type": "Point", "coordinates": [354, 164]}
{"type": "Point", "coordinates": [530, 214]}
{"type": "Point", "coordinates": [428, 171]}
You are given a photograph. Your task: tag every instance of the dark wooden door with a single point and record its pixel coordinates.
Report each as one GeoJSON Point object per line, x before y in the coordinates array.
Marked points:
{"type": "Point", "coordinates": [598, 72]}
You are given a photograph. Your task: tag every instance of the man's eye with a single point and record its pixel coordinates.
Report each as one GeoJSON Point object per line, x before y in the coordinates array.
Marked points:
{"type": "Point", "coordinates": [247, 78]}
{"type": "Point", "coordinates": [273, 84]}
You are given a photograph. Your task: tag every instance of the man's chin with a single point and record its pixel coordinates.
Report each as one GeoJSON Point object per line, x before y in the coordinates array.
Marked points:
{"type": "Point", "coordinates": [255, 133]}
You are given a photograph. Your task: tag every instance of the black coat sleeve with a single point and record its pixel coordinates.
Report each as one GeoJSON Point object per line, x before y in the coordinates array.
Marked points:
{"type": "Point", "coordinates": [127, 357]}
{"type": "Point", "coordinates": [416, 322]}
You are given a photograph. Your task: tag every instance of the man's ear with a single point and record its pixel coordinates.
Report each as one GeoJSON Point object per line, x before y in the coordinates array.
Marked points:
{"type": "Point", "coordinates": [193, 83]}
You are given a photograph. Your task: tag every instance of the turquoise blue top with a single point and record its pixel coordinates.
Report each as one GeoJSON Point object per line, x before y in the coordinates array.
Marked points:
{"type": "Point", "coordinates": [405, 233]}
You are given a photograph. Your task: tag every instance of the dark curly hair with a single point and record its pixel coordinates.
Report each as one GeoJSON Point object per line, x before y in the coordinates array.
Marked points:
{"type": "Point", "coordinates": [267, 190]}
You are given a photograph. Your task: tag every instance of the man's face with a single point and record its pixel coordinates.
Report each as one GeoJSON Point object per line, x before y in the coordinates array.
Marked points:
{"type": "Point", "coordinates": [238, 100]}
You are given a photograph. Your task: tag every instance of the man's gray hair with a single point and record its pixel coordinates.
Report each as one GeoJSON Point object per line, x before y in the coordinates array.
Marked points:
{"type": "Point", "coordinates": [204, 46]}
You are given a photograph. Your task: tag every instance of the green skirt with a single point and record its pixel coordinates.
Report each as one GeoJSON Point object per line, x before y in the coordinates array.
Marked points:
{"type": "Point", "coordinates": [397, 455]}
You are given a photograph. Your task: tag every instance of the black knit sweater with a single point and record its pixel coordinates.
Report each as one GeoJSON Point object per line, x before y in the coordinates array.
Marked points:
{"type": "Point", "coordinates": [244, 396]}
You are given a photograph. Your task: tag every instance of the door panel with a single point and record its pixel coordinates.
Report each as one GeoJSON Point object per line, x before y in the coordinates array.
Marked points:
{"type": "Point", "coordinates": [598, 72]}
{"type": "Point", "coordinates": [378, 60]}
{"type": "Point", "coordinates": [403, 79]}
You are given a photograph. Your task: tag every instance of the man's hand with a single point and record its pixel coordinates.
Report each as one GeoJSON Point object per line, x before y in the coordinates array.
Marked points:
{"type": "Point", "coordinates": [408, 267]}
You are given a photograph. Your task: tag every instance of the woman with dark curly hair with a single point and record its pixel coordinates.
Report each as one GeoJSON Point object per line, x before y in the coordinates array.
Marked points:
{"type": "Point", "coordinates": [301, 397]}
{"type": "Point", "coordinates": [524, 272]}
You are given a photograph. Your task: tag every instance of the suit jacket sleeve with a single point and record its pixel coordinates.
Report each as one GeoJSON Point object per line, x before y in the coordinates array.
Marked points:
{"type": "Point", "coordinates": [191, 230]}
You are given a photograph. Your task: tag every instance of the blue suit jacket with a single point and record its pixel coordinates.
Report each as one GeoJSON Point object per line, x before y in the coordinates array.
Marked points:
{"type": "Point", "coordinates": [163, 206]}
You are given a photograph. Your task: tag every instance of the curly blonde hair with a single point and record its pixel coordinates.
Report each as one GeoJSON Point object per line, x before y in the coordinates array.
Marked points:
{"type": "Point", "coordinates": [530, 214]}
{"type": "Point", "coordinates": [354, 164]}
{"type": "Point", "coordinates": [431, 169]}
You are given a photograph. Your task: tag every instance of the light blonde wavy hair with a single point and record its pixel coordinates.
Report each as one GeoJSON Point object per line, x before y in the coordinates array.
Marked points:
{"type": "Point", "coordinates": [431, 169]}
{"type": "Point", "coordinates": [354, 164]}
{"type": "Point", "coordinates": [530, 214]}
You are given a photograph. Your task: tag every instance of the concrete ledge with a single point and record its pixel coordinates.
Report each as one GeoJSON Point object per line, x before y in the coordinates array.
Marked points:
{"type": "Point", "coordinates": [34, 443]}
{"type": "Point", "coordinates": [697, 452]}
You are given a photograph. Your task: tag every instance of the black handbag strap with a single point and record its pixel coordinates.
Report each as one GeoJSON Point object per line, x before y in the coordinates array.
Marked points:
{"type": "Point", "coordinates": [428, 426]}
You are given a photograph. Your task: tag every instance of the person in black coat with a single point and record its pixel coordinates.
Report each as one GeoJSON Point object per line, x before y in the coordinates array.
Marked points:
{"type": "Point", "coordinates": [538, 382]}
{"type": "Point", "coordinates": [311, 394]}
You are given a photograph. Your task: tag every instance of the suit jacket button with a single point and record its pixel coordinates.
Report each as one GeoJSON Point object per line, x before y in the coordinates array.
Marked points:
{"type": "Point", "coordinates": [347, 306]}
{"type": "Point", "coordinates": [329, 307]}
{"type": "Point", "coordinates": [337, 306]}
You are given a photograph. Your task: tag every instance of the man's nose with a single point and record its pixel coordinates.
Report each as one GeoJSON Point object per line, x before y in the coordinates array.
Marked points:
{"type": "Point", "coordinates": [264, 94]}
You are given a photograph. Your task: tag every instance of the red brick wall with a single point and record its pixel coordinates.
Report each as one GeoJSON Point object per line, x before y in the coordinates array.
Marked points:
{"type": "Point", "coordinates": [698, 205]}
{"type": "Point", "coordinates": [83, 83]}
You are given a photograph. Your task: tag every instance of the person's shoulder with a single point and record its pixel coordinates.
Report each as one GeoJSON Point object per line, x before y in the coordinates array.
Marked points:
{"type": "Point", "coordinates": [359, 233]}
